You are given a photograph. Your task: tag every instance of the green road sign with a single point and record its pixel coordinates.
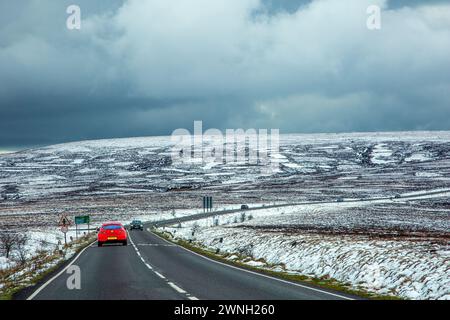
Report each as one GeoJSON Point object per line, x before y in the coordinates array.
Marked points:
{"type": "Point", "coordinates": [82, 220]}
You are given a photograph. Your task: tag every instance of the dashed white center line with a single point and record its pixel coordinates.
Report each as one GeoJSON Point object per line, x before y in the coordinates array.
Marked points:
{"type": "Point", "coordinates": [171, 284]}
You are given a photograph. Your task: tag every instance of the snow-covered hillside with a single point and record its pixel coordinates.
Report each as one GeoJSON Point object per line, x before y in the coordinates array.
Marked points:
{"type": "Point", "coordinates": [123, 179]}
{"type": "Point", "coordinates": [375, 248]}
{"type": "Point", "coordinates": [320, 165]}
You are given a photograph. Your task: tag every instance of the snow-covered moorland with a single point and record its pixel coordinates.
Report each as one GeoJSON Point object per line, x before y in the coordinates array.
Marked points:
{"type": "Point", "coordinates": [385, 253]}
{"type": "Point", "coordinates": [124, 179]}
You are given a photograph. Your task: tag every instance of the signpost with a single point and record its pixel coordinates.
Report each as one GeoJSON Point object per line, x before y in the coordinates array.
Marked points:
{"type": "Point", "coordinates": [64, 223]}
{"type": "Point", "coordinates": [207, 203]}
{"type": "Point", "coordinates": [82, 220]}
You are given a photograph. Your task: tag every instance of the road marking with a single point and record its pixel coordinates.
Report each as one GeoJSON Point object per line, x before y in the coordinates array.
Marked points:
{"type": "Point", "coordinates": [143, 260]}
{"type": "Point", "coordinates": [35, 293]}
{"type": "Point", "coordinates": [155, 245]}
{"type": "Point", "coordinates": [259, 274]}
{"type": "Point", "coordinates": [177, 288]}
{"type": "Point", "coordinates": [148, 266]}
{"type": "Point", "coordinates": [171, 284]}
{"type": "Point", "coordinates": [42, 287]}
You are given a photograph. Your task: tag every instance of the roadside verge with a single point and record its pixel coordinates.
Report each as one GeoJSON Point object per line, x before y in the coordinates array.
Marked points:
{"type": "Point", "coordinates": [20, 282]}
{"type": "Point", "coordinates": [329, 284]}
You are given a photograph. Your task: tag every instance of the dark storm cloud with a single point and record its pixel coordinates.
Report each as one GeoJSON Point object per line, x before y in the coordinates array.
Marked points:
{"type": "Point", "coordinates": [148, 67]}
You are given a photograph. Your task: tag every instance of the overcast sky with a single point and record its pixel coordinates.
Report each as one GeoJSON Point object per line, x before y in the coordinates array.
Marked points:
{"type": "Point", "coordinates": [139, 68]}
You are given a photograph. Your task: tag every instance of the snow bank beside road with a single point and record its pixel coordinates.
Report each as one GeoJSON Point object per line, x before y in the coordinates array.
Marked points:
{"type": "Point", "coordinates": [402, 268]}
{"type": "Point", "coordinates": [371, 246]}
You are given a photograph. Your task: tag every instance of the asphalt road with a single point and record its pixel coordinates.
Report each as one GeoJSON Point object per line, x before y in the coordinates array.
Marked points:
{"type": "Point", "coordinates": [152, 268]}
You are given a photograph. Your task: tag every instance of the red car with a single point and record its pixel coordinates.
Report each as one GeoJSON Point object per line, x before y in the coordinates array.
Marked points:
{"type": "Point", "coordinates": [112, 232]}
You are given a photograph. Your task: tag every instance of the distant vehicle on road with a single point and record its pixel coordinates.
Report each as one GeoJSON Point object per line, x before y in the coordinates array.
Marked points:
{"type": "Point", "coordinates": [397, 196]}
{"type": "Point", "coordinates": [136, 224]}
{"type": "Point", "coordinates": [340, 200]}
{"type": "Point", "coordinates": [112, 232]}
{"type": "Point", "coordinates": [244, 207]}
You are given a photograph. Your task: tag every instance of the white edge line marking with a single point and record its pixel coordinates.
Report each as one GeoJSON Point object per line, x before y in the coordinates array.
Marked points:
{"type": "Point", "coordinates": [177, 288]}
{"type": "Point", "coordinates": [256, 273]}
{"type": "Point", "coordinates": [35, 293]}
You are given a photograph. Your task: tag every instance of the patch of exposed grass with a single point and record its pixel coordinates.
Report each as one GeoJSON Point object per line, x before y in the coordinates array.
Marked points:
{"type": "Point", "coordinates": [324, 282]}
